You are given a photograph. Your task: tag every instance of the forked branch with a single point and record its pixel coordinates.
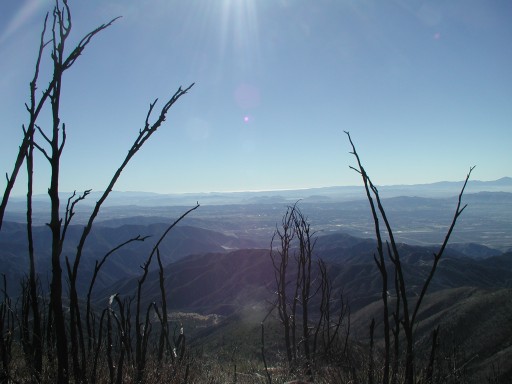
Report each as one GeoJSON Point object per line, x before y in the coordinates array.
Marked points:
{"type": "Point", "coordinates": [438, 255]}
{"type": "Point", "coordinates": [144, 135]}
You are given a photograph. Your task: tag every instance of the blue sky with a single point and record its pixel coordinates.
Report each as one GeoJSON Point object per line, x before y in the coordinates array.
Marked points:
{"type": "Point", "coordinates": [424, 87]}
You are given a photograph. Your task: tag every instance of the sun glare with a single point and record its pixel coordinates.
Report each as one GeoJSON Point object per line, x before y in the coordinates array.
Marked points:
{"type": "Point", "coordinates": [239, 32]}
{"type": "Point", "coordinates": [239, 40]}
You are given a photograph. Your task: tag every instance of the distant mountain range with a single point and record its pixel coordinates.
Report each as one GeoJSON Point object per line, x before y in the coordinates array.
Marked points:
{"type": "Point", "coordinates": [419, 212]}
{"type": "Point", "coordinates": [339, 193]}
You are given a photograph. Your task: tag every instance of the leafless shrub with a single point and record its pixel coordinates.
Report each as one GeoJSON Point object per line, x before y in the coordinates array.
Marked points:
{"type": "Point", "coordinates": [312, 335]}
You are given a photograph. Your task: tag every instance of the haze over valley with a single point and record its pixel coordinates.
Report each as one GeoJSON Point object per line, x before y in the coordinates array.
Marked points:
{"type": "Point", "coordinates": [219, 274]}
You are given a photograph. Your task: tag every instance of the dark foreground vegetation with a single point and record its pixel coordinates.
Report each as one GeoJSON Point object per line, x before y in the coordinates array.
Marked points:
{"type": "Point", "coordinates": [53, 330]}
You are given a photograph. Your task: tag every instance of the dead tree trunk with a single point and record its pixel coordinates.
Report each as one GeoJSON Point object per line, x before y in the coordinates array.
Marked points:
{"type": "Point", "coordinates": [60, 33]}
{"type": "Point", "coordinates": [142, 330]}
{"type": "Point", "coordinates": [61, 30]}
{"type": "Point", "coordinates": [280, 259]}
{"type": "Point", "coordinates": [164, 342]}
{"type": "Point", "coordinates": [65, 336]}
{"type": "Point", "coordinates": [306, 246]}
{"type": "Point", "coordinates": [408, 320]}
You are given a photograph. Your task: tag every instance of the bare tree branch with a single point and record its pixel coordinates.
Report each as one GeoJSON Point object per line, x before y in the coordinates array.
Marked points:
{"type": "Point", "coordinates": [70, 210]}
{"type": "Point", "coordinates": [28, 134]}
{"type": "Point", "coordinates": [408, 320]}
{"type": "Point", "coordinates": [144, 135]}
{"type": "Point", "coordinates": [439, 254]}
{"type": "Point", "coordinates": [97, 269]}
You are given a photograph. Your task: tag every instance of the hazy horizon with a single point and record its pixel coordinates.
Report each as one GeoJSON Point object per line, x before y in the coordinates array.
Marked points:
{"type": "Point", "coordinates": [471, 181]}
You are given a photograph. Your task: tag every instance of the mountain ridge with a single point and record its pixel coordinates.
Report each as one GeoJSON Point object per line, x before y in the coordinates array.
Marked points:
{"type": "Point", "coordinates": [437, 189]}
